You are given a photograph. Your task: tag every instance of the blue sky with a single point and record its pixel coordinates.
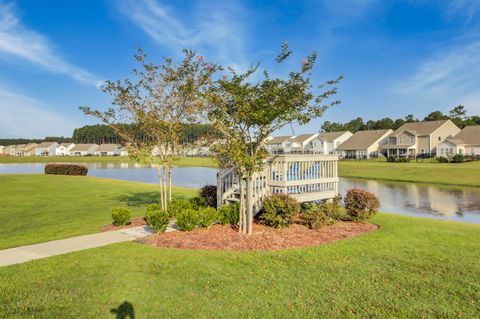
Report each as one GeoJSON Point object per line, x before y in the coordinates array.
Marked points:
{"type": "Point", "coordinates": [398, 57]}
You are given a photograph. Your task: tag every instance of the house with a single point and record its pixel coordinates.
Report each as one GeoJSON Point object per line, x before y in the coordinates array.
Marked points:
{"type": "Point", "coordinates": [364, 144]}
{"type": "Point", "coordinates": [83, 149]}
{"type": "Point", "coordinates": [64, 149]}
{"type": "Point", "coordinates": [330, 141]}
{"type": "Point", "coordinates": [46, 149]}
{"type": "Point", "coordinates": [305, 143]}
{"type": "Point", "coordinates": [108, 150]}
{"type": "Point", "coordinates": [466, 142]}
{"type": "Point", "coordinates": [279, 144]}
{"type": "Point", "coordinates": [10, 150]}
{"type": "Point", "coordinates": [26, 149]}
{"type": "Point", "coordinates": [123, 151]}
{"type": "Point", "coordinates": [419, 138]}
{"type": "Point", "coordinates": [2, 149]}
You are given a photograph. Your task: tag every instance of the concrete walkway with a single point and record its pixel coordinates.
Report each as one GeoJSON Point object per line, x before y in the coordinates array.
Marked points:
{"type": "Point", "coordinates": [23, 254]}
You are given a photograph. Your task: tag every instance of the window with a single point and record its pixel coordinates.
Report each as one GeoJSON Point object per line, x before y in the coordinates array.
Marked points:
{"type": "Point", "coordinates": [412, 140]}
{"type": "Point", "coordinates": [399, 140]}
{"type": "Point", "coordinates": [439, 138]}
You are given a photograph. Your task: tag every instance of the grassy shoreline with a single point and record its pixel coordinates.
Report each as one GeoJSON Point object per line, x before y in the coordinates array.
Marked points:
{"type": "Point", "coordinates": [408, 268]}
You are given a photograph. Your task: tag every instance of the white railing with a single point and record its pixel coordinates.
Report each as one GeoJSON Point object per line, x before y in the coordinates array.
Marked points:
{"type": "Point", "coordinates": [307, 177]}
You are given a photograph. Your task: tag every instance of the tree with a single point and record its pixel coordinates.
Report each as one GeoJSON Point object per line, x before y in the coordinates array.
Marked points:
{"type": "Point", "coordinates": [435, 116]}
{"type": "Point", "coordinates": [246, 112]}
{"type": "Point", "coordinates": [152, 113]}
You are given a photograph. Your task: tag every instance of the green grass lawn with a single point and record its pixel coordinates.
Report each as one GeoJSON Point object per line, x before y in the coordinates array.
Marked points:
{"type": "Point", "coordinates": [186, 161]}
{"type": "Point", "coordinates": [38, 208]}
{"type": "Point", "coordinates": [465, 174]}
{"type": "Point", "coordinates": [409, 268]}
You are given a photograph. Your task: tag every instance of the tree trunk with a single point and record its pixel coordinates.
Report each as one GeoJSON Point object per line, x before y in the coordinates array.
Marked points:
{"type": "Point", "coordinates": [165, 189]}
{"type": "Point", "coordinates": [169, 184]}
{"type": "Point", "coordinates": [249, 205]}
{"type": "Point", "coordinates": [160, 177]}
{"type": "Point", "coordinates": [241, 224]}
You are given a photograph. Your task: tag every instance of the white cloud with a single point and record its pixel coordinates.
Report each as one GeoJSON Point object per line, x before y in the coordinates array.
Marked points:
{"type": "Point", "coordinates": [449, 72]}
{"type": "Point", "coordinates": [18, 41]}
{"type": "Point", "coordinates": [213, 28]}
{"type": "Point", "coordinates": [23, 116]}
{"type": "Point", "coordinates": [467, 8]}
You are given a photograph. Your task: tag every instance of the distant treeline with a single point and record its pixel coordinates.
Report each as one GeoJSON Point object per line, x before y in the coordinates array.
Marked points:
{"type": "Point", "coordinates": [101, 134]}
{"type": "Point", "coordinates": [17, 141]}
{"type": "Point", "coordinates": [457, 115]}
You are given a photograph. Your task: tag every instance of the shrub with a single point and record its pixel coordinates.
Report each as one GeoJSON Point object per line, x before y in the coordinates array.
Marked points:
{"type": "Point", "coordinates": [403, 160]}
{"type": "Point", "coordinates": [197, 202]}
{"type": "Point", "coordinates": [157, 218]}
{"type": "Point", "coordinates": [442, 159]}
{"type": "Point", "coordinates": [324, 214]}
{"type": "Point", "coordinates": [120, 216]}
{"type": "Point", "coordinates": [209, 194]}
{"type": "Point", "coordinates": [360, 204]}
{"type": "Point", "coordinates": [178, 205]}
{"type": "Point", "coordinates": [187, 219]}
{"type": "Point", "coordinates": [391, 159]}
{"type": "Point", "coordinates": [207, 216]}
{"type": "Point", "coordinates": [66, 169]}
{"type": "Point", "coordinates": [458, 158]}
{"type": "Point", "coordinates": [308, 206]}
{"type": "Point", "coordinates": [315, 219]}
{"type": "Point", "coordinates": [278, 210]}
{"type": "Point", "coordinates": [229, 214]}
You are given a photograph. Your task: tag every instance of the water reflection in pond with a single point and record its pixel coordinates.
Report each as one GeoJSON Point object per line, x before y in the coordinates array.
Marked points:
{"type": "Point", "coordinates": [456, 203]}
{"type": "Point", "coordinates": [446, 202]}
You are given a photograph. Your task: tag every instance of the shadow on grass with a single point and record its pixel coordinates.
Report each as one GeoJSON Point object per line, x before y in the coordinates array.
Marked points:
{"type": "Point", "coordinates": [123, 311]}
{"type": "Point", "coordinates": [141, 198]}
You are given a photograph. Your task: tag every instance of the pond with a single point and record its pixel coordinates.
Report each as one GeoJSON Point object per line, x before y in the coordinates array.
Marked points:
{"type": "Point", "coordinates": [415, 199]}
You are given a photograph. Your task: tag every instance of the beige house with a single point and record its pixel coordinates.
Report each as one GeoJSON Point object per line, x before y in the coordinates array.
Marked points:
{"type": "Point", "coordinates": [108, 150]}
{"type": "Point", "coordinates": [467, 142]}
{"type": "Point", "coordinates": [26, 149]}
{"type": "Point", "coordinates": [83, 149]}
{"type": "Point", "coordinates": [279, 144]}
{"type": "Point", "coordinates": [419, 138]}
{"type": "Point", "coordinates": [364, 144]}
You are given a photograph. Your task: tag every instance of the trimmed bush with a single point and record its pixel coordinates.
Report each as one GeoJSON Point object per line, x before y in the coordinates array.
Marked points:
{"type": "Point", "coordinates": [458, 158]}
{"type": "Point", "coordinates": [229, 214]}
{"type": "Point", "coordinates": [120, 216]}
{"type": "Point", "coordinates": [157, 218]}
{"type": "Point", "coordinates": [442, 159]}
{"type": "Point", "coordinates": [66, 169]}
{"type": "Point", "coordinates": [391, 159]}
{"type": "Point", "coordinates": [177, 205]}
{"type": "Point", "coordinates": [360, 204]}
{"type": "Point", "coordinates": [207, 216]}
{"type": "Point", "coordinates": [197, 202]}
{"type": "Point", "coordinates": [279, 210]}
{"type": "Point", "coordinates": [324, 214]}
{"type": "Point", "coordinates": [187, 219]}
{"type": "Point", "coordinates": [209, 194]}
{"type": "Point", "coordinates": [315, 218]}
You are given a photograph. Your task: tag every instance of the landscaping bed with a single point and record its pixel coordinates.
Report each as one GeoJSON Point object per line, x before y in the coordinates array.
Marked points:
{"type": "Point", "coordinates": [220, 237]}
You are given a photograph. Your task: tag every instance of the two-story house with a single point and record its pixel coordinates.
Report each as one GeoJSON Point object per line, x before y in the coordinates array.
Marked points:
{"type": "Point", "coordinates": [467, 142]}
{"type": "Point", "coordinates": [364, 144]}
{"type": "Point", "coordinates": [279, 144]}
{"type": "Point", "coordinates": [330, 141]}
{"type": "Point", "coordinates": [419, 138]}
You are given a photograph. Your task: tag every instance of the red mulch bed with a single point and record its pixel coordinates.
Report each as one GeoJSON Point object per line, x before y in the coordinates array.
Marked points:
{"type": "Point", "coordinates": [139, 221]}
{"type": "Point", "coordinates": [220, 237]}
